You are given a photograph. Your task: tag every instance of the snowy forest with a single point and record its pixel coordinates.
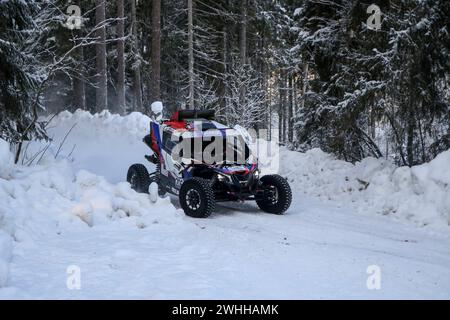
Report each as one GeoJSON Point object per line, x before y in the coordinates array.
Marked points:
{"type": "Point", "coordinates": [348, 196]}
{"type": "Point", "coordinates": [313, 70]}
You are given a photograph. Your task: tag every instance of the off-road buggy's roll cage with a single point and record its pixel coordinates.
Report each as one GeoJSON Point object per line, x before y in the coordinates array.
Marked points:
{"type": "Point", "coordinates": [193, 114]}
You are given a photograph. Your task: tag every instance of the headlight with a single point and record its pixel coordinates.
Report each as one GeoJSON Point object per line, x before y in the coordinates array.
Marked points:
{"type": "Point", "coordinates": [256, 174]}
{"type": "Point", "coordinates": [222, 177]}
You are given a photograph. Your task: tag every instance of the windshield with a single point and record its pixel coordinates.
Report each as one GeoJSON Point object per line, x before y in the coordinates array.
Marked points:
{"type": "Point", "coordinates": [213, 150]}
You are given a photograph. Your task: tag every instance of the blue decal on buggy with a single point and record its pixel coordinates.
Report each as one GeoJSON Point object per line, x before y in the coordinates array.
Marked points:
{"type": "Point", "coordinates": [250, 167]}
{"type": "Point", "coordinates": [187, 174]}
{"type": "Point", "coordinates": [155, 128]}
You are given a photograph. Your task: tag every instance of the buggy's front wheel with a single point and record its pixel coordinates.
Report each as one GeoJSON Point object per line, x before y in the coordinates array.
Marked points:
{"type": "Point", "coordinates": [197, 198]}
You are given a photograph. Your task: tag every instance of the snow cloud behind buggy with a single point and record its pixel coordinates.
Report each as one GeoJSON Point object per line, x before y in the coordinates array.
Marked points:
{"type": "Point", "coordinates": [203, 162]}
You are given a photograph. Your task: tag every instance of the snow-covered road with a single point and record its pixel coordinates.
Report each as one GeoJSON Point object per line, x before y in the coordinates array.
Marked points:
{"type": "Point", "coordinates": [315, 250]}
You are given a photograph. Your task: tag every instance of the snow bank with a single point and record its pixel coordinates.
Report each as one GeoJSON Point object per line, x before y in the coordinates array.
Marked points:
{"type": "Point", "coordinates": [420, 194]}
{"type": "Point", "coordinates": [51, 199]}
{"type": "Point", "coordinates": [54, 198]}
{"type": "Point", "coordinates": [107, 144]}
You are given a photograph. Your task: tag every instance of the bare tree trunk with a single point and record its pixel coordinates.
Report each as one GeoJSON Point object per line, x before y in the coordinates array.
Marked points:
{"type": "Point", "coordinates": [280, 122]}
{"type": "Point", "coordinates": [101, 93]}
{"type": "Point", "coordinates": [290, 111]}
{"type": "Point", "coordinates": [295, 107]}
{"type": "Point", "coordinates": [281, 109]}
{"type": "Point", "coordinates": [79, 94]}
{"type": "Point", "coordinates": [191, 54]}
{"type": "Point", "coordinates": [305, 84]}
{"type": "Point", "coordinates": [270, 107]}
{"type": "Point", "coordinates": [225, 48]}
{"type": "Point", "coordinates": [223, 84]}
{"type": "Point", "coordinates": [156, 50]}
{"type": "Point", "coordinates": [285, 107]}
{"type": "Point", "coordinates": [120, 58]}
{"type": "Point", "coordinates": [410, 132]}
{"type": "Point", "coordinates": [372, 124]}
{"type": "Point", "coordinates": [137, 90]}
{"type": "Point", "coordinates": [447, 136]}
{"type": "Point", "coordinates": [243, 33]}
{"type": "Point", "coordinates": [398, 138]}
{"type": "Point", "coordinates": [243, 46]}
{"type": "Point", "coordinates": [411, 122]}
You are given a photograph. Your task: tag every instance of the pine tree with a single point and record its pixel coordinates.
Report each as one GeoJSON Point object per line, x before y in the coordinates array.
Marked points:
{"type": "Point", "coordinates": [136, 59]}
{"type": "Point", "coordinates": [156, 50]}
{"type": "Point", "coordinates": [20, 77]}
{"type": "Point", "coordinates": [101, 64]}
{"type": "Point", "coordinates": [191, 54]}
{"type": "Point", "coordinates": [120, 56]}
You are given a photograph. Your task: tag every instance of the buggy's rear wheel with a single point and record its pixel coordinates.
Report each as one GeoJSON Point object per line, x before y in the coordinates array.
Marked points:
{"type": "Point", "coordinates": [197, 198]}
{"type": "Point", "coordinates": [139, 178]}
{"type": "Point", "coordinates": [277, 196]}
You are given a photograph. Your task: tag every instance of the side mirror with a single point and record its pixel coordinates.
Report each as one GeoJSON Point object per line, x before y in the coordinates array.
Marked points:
{"type": "Point", "coordinates": [157, 109]}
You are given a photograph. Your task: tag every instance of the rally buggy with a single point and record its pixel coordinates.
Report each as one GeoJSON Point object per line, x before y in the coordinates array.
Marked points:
{"type": "Point", "coordinates": [199, 184]}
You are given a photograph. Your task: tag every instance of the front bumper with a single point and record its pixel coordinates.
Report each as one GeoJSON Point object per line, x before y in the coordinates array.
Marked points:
{"type": "Point", "coordinates": [237, 187]}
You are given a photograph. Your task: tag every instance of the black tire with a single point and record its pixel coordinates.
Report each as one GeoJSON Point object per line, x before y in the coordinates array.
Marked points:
{"type": "Point", "coordinates": [275, 204]}
{"type": "Point", "coordinates": [197, 198]}
{"type": "Point", "coordinates": [139, 178]}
